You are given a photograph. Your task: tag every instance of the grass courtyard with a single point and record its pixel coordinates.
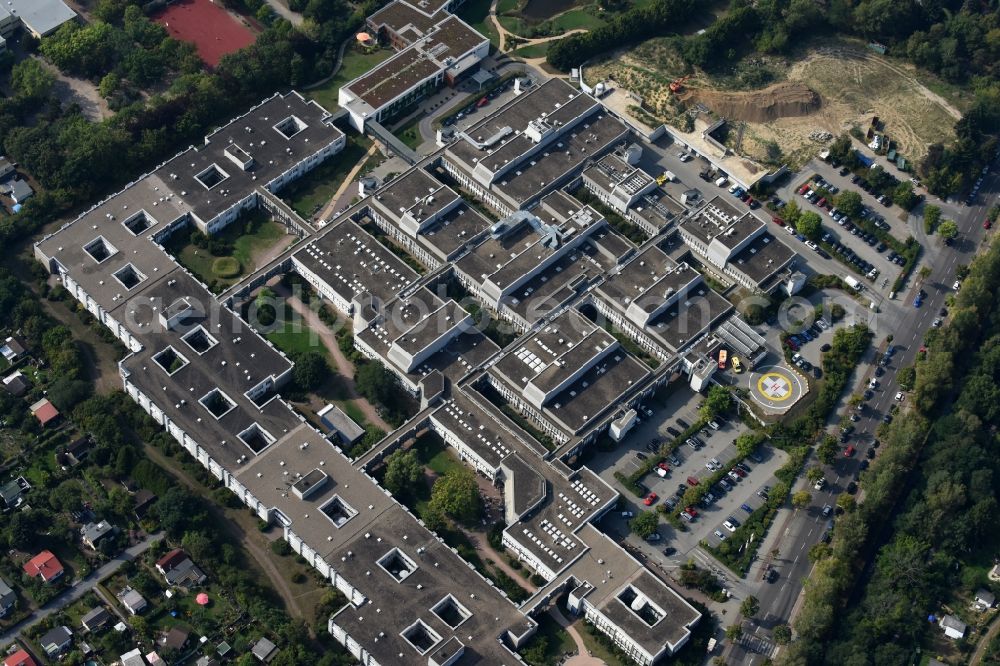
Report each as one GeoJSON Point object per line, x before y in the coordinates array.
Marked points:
{"type": "Point", "coordinates": [232, 253]}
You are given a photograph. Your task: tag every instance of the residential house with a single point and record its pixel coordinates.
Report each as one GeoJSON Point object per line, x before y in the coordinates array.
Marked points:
{"type": "Point", "coordinates": [92, 533]}
{"type": "Point", "coordinates": [6, 168]}
{"type": "Point", "coordinates": [45, 411]}
{"type": "Point", "coordinates": [132, 658]}
{"type": "Point", "coordinates": [12, 491]}
{"type": "Point", "coordinates": [175, 639]}
{"type": "Point", "coordinates": [45, 565]}
{"type": "Point", "coordinates": [178, 569]}
{"type": "Point", "coordinates": [154, 659]}
{"type": "Point", "coordinates": [56, 641]}
{"type": "Point", "coordinates": [985, 599]}
{"type": "Point", "coordinates": [12, 349]}
{"type": "Point", "coordinates": [19, 190]}
{"type": "Point", "coordinates": [8, 598]}
{"type": "Point", "coordinates": [96, 619]}
{"type": "Point", "coordinates": [75, 452]}
{"type": "Point", "coordinates": [953, 627]}
{"type": "Point", "coordinates": [143, 499]}
{"type": "Point", "coordinates": [206, 661]}
{"type": "Point", "coordinates": [20, 658]}
{"type": "Point", "coordinates": [264, 650]}
{"type": "Point", "coordinates": [132, 600]}
{"type": "Point", "coordinates": [16, 384]}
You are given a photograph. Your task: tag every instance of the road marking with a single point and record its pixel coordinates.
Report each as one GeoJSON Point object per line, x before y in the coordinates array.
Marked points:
{"type": "Point", "coordinates": [796, 560]}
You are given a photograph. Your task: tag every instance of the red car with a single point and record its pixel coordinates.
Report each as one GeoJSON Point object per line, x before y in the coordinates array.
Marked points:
{"type": "Point", "coordinates": [650, 499]}
{"type": "Point", "coordinates": [740, 472]}
{"type": "Point", "coordinates": [777, 220]}
{"type": "Point", "coordinates": [692, 481]}
{"type": "Point", "coordinates": [849, 451]}
{"type": "Point", "coordinates": [663, 466]}
{"type": "Point", "coordinates": [804, 189]}
{"type": "Point", "coordinates": [987, 224]}
{"type": "Point", "coordinates": [691, 511]}
{"type": "Point", "coordinates": [821, 203]}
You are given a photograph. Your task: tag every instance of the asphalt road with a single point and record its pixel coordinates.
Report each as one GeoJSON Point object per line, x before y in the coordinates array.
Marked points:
{"type": "Point", "coordinates": [804, 528]}
{"type": "Point", "coordinates": [79, 588]}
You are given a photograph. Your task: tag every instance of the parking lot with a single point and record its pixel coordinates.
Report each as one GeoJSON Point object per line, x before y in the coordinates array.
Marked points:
{"type": "Point", "coordinates": [682, 404]}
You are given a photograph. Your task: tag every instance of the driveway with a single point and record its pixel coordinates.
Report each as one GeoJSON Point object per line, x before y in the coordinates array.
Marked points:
{"type": "Point", "coordinates": [80, 588]}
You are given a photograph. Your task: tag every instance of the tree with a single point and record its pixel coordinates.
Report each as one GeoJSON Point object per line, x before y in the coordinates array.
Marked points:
{"type": "Point", "coordinates": [67, 496]}
{"type": "Point", "coordinates": [906, 377]}
{"type": "Point", "coordinates": [734, 632]}
{"type": "Point", "coordinates": [456, 494]}
{"type": "Point", "coordinates": [644, 524]}
{"type": "Point", "coordinates": [717, 402]}
{"type": "Point", "coordinates": [810, 225]}
{"type": "Point", "coordinates": [814, 474]}
{"type": "Point", "coordinates": [311, 370]}
{"type": "Point", "coordinates": [932, 216]}
{"type": "Point", "coordinates": [849, 203]}
{"type": "Point", "coordinates": [801, 499]}
{"type": "Point", "coordinates": [178, 511]}
{"type": "Point", "coordinates": [827, 449]}
{"type": "Point", "coordinates": [31, 80]}
{"type": "Point", "coordinates": [402, 471]}
{"type": "Point", "coordinates": [374, 382]}
{"type": "Point", "coordinates": [748, 442]}
{"type": "Point", "coordinates": [846, 502]}
{"type": "Point", "coordinates": [904, 196]}
{"type": "Point", "coordinates": [782, 634]}
{"type": "Point", "coordinates": [948, 229]}
{"type": "Point", "coordinates": [924, 272]}
{"type": "Point", "coordinates": [750, 606]}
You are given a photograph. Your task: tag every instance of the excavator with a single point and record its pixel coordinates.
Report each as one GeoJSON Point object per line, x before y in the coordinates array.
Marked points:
{"type": "Point", "coordinates": [677, 85]}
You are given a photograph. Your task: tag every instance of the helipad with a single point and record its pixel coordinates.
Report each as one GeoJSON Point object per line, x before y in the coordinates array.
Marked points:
{"type": "Point", "coordinates": [776, 388]}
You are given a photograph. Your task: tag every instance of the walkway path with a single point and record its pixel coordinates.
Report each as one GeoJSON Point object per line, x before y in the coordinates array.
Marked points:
{"type": "Point", "coordinates": [524, 41]}
{"type": "Point", "coordinates": [984, 642]}
{"type": "Point", "coordinates": [581, 648]}
{"type": "Point", "coordinates": [80, 588]}
{"type": "Point", "coordinates": [484, 547]}
{"type": "Point", "coordinates": [344, 366]}
{"type": "Point", "coordinates": [284, 12]}
{"type": "Point", "coordinates": [334, 203]}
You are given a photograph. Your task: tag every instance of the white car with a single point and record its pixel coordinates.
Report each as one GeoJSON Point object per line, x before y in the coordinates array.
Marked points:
{"type": "Point", "coordinates": [819, 484]}
{"type": "Point", "coordinates": [720, 535]}
{"type": "Point", "coordinates": [729, 526]}
{"type": "Point", "coordinates": [872, 383]}
{"type": "Point", "coordinates": [936, 323]}
{"type": "Point", "coordinates": [899, 396]}
{"type": "Point", "coordinates": [811, 245]}
{"type": "Point", "coordinates": [957, 285]}
{"type": "Point", "coordinates": [628, 514]}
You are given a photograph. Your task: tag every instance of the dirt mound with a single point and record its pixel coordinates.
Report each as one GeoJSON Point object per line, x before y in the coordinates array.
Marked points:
{"type": "Point", "coordinates": [782, 100]}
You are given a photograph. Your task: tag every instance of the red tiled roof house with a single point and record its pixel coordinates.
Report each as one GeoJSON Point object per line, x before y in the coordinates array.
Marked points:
{"type": "Point", "coordinates": [45, 565]}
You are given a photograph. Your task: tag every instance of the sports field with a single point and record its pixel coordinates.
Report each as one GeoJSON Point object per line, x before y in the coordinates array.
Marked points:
{"type": "Point", "coordinates": [213, 30]}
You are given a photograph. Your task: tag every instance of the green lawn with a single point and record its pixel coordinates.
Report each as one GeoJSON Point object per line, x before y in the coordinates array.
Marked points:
{"type": "Point", "coordinates": [476, 14]}
{"type": "Point", "coordinates": [410, 133]}
{"type": "Point", "coordinates": [577, 18]}
{"type": "Point", "coordinates": [557, 642]}
{"type": "Point", "coordinates": [310, 193]}
{"type": "Point", "coordinates": [437, 455]}
{"type": "Point", "coordinates": [295, 337]}
{"type": "Point", "coordinates": [533, 50]}
{"type": "Point", "coordinates": [354, 65]}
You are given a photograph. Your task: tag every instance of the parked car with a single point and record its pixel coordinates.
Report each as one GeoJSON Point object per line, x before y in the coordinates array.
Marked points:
{"type": "Point", "coordinates": [650, 499]}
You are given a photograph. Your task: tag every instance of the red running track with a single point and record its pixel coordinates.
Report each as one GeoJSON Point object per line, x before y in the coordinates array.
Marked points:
{"type": "Point", "coordinates": [214, 31]}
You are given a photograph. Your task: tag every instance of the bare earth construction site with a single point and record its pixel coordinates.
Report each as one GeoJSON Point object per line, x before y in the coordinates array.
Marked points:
{"type": "Point", "coordinates": [830, 90]}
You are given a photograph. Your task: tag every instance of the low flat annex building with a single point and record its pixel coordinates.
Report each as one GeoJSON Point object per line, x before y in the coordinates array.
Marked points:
{"type": "Point", "coordinates": [439, 54]}
{"type": "Point", "coordinates": [214, 384]}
